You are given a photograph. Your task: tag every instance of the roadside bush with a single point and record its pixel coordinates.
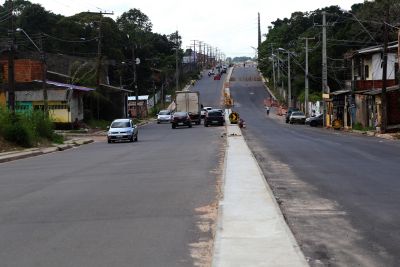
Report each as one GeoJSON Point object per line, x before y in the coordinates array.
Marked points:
{"type": "Point", "coordinates": [26, 129]}
{"type": "Point", "coordinates": [19, 133]}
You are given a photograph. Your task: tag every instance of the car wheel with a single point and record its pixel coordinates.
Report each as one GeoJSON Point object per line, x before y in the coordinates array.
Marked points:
{"type": "Point", "coordinates": [158, 122]}
{"type": "Point", "coordinates": [190, 125]}
{"type": "Point", "coordinates": [313, 124]}
{"type": "Point", "coordinates": [109, 141]}
{"type": "Point", "coordinates": [205, 124]}
{"type": "Point", "coordinates": [173, 126]}
{"type": "Point", "coordinates": [131, 139]}
{"type": "Point", "coordinates": [136, 138]}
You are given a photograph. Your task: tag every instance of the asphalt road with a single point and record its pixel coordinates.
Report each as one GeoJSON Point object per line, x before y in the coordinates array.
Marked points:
{"type": "Point", "coordinates": [150, 203]}
{"type": "Point", "coordinates": [340, 192]}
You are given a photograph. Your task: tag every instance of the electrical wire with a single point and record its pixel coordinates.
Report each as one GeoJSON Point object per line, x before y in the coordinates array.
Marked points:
{"type": "Point", "coordinates": [70, 41]}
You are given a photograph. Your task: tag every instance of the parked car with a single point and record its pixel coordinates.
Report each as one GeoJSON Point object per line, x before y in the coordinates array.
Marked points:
{"type": "Point", "coordinates": [289, 112]}
{"type": "Point", "coordinates": [297, 116]}
{"type": "Point", "coordinates": [217, 77]}
{"type": "Point", "coordinates": [211, 73]}
{"type": "Point", "coordinates": [164, 116]}
{"type": "Point", "coordinates": [181, 119]}
{"type": "Point", "coordinates": [316, 120]}
{"type": "Point", "coordinates": [122, 130]}
{"type": "Point", "coordinates": [214, 116]}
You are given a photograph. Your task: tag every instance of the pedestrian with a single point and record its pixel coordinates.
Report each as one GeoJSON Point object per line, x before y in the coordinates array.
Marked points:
{"type": "Point", "coordinates": [267, 108]}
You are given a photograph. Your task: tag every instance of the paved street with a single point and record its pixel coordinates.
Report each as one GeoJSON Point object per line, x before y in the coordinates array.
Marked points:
{"type": "Point", "coordinates": [150, 203]}
{"type": "Point", "coordinates": [340, 192]}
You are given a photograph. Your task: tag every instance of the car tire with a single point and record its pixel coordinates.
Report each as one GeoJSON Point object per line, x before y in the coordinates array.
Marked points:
{"type": "Point", "coordinates": [173, 126]}
{"type": "Point", "coordinates": [136, 138]}
{"type": "Point", "coordinates": [109, 141]}
{"type": "Point", "coordinates": [131, 139]}
{"type": "Point", "coordinates": [190, 125]}
{"type": "Point", "coordinates": [158, 122]}
{"type": "Point", "coordinates": [205, 124]}
{"type": "Point", "coordinates": [313, 124]}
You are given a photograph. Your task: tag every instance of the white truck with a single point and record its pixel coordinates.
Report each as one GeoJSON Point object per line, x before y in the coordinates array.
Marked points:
{"type": "Point", "coordinates": [189, 101]}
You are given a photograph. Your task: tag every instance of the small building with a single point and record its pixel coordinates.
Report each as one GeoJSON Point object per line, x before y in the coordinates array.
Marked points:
{"type": "Point", "coordinates": [65, 101]}
{"type": "Point", "coordinates": [367, 86]}
{"type": "Point", "coordinates": [142, 110]}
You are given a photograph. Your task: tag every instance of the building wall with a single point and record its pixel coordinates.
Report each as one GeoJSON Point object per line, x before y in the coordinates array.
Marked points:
{"type": "Point", "coordinates": [3, 100]}
{"type": "Point", "coordinates": [393, 108]}
{"type": "Point", "coordinates": [25, 70]}
{"type": "Point", "coordinates": [377, 67]}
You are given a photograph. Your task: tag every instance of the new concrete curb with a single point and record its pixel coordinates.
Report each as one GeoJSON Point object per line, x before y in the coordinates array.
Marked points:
{"type": "Point", "coordinates": [27, 153]}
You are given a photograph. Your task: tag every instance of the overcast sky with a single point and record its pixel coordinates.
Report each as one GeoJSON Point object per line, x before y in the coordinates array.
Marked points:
{"type": "Point", "coordinates": [229, 25]}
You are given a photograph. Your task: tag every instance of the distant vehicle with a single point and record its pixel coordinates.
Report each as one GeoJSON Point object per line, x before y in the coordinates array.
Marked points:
{"type": "Point", "coordinates": [289, 112]}
{"type": "Point", "coordinates": [315, 121]}
{"type": "Point", "coordinates": [217, 77]}
{"type": "Point", "coordinates": [211, 73]}
{"type": "Point", "coordinates": [164, 116]}
{"type": "Point", "coordinates": [224, 69]}
{"type": "Point", "coordinates": [204, 111]}
{"type": "Point", "coordinates": [122, 130]}
{"type": "Point", "coordinates": [181, 119]}
{"type": "Point", "coordinates": [189, 101]}
{"type": "Point", "coordinates": [297, 116]}
{"type": "Point", "coordinates": [214, 116]}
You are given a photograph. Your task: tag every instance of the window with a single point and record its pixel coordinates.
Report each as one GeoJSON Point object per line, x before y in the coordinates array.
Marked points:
{"type": "Point", "coordinates": [366, 71]}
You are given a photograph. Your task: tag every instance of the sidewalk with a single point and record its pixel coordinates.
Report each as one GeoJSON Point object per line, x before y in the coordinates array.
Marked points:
{"type": "Point", "coordinates": [251, 230]}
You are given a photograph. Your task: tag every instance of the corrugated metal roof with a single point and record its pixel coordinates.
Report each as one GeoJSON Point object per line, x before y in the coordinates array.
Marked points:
{"type": "Point", "coordinates": [67, 86]}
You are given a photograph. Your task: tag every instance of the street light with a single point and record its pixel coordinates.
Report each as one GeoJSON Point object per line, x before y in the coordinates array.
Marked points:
{"type": "Point", "coordinates": [289, 82]}
{"type": "Point", "coordinates": [44, 70]}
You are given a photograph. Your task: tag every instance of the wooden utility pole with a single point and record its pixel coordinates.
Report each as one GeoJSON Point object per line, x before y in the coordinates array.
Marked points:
{"type": "Point", "coordinates": [11, 76]}
{"type": "Point", "coordinates": [384, 81]}
{"type": "Point", "coordinates": [44, 77]}
{"type": "Point", "coordinates": [306, 89]}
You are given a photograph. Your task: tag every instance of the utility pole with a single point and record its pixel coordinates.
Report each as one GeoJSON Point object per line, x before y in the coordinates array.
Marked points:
{"type": "Point", "coordinates": [306, 78]}
{"type": "Point", "coordinates": [194, 53]}
{"type": "Point", "coordinates": [99, 56]}
{"type": "Point", "coordinates": [384, 80]}
{"type": "Point", "coordinates": [44, 77]}
{"type": "Point", "coordinates": [273, 65]}
{"type": "Point", "coordinates": [325, 88]}
{"type": "Point", "coordinates": [289, 82]}
{"type": "Point", "coordinates": [11, 75]}
{"type": "Point", "coordinates": [176, 61]}
{"type": "Point", "coordinates": [259, 31]}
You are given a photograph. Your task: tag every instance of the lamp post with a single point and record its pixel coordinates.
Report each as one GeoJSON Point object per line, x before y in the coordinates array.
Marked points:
{"type": "Point", "coordinates": [289, 82]}
{"type": "Point", "coordinates": [44, 70]}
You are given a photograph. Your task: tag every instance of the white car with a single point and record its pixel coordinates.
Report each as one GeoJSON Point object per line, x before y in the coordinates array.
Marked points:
{"type": "Point", "coordinates": [164, 116]}
{"type": "Point", "coordinates": [204, 111]}
{"type": "Point", "coordinates": [297, 116]}
{"type": "Point", "coordinates": [122, 130]}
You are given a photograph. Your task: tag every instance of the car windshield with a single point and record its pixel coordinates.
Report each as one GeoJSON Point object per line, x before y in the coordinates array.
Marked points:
{"type": "Point", "coordinates": [120, 124]}
{"type": "Point", "coordinates": [164, 112]}
{"type": "Point", "coordinates": [297, 113]}
{"type": "Point", "coordinates": [214, 114]}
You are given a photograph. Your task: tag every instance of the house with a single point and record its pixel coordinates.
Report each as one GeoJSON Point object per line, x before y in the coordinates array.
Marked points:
{"type": "Point", "coordinates": [366, 79]}
{"type": "Point", "coordinates": [65, 101]}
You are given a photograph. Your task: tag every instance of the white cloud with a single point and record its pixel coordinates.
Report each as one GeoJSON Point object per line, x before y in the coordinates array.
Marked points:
{"type": "Point", "coordinates": [229, 25]}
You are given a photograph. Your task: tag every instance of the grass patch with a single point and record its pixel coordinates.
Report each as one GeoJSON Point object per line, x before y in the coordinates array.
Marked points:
{"type": "Point", "coordinates": [98, 124]}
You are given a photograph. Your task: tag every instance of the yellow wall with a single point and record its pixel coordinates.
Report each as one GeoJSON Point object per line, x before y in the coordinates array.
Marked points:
{"type": "Point", "coordinates": [58, 111]}
{"type": "Point", "coordinates": [3, 99]}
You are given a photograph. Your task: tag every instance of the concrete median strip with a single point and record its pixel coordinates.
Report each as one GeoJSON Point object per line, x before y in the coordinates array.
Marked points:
{"type": "Point", "coordinates": [251, 230]}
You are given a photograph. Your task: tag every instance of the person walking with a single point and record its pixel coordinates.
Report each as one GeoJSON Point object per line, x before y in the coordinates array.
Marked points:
{"type": "Point", "coordinates": [267, 108]}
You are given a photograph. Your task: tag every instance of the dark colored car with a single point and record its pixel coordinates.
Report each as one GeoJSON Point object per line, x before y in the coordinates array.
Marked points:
{"type": "Point", "coordinates": [181, 119]}
{"type": "Point", "coordinates": [289, 112]}
{"type": "Point", "coordinates": [214, 116]}
{"type": "Point", "coordinates": [316, 120]}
